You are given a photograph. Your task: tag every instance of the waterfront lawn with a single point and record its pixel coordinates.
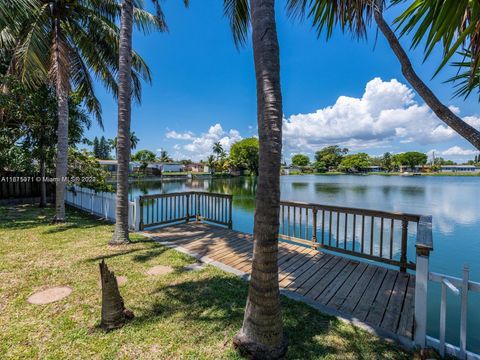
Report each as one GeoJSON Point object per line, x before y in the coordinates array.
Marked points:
{"type": "Point", "coordinates": [191, 315]}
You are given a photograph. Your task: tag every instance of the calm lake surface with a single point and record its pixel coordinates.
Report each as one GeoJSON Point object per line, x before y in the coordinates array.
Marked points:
{"type": "Point", "coordinates": [454, 203]}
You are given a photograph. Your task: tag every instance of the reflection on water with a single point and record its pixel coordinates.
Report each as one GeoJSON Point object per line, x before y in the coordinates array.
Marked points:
{"type": "Point", "coordinates": [454, 203]}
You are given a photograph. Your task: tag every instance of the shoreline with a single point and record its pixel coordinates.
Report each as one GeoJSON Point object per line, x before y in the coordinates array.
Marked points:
{"type": "Point", "coordinates": [388, 174]}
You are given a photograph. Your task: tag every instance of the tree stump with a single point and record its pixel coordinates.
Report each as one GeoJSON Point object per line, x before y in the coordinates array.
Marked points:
{"type": "Point", "coordinates": [114, 313]}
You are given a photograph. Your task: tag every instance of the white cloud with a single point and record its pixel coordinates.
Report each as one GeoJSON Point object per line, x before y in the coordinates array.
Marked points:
{"type": "Point", "coordinates": [199, 147]}
{"type": "Point", "coordinates": [179, 136]}
{"type": "Point", "coordinates": [458, 151]}
{"type": "Point", "coordinates": [386, 112]}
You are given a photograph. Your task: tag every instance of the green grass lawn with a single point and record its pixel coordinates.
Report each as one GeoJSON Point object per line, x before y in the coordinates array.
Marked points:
{"type": "Point", "coordinates": [181, 315]}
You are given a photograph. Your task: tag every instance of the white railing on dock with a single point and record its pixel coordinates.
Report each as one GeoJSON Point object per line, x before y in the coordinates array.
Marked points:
{"type": "Point", "coordinates": [460, 287]}
{"type": "Point", "coordinates": [99, 203]}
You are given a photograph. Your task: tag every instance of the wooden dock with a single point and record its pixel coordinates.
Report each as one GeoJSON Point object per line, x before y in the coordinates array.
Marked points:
{"type": "Point", "coordinates": [375, 295]}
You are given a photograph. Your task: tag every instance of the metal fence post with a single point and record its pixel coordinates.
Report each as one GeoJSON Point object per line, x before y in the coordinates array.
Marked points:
{"type": "Point", "coordinates": [188, 209]}
{"type": "Point", "coordinates": [423, 246]}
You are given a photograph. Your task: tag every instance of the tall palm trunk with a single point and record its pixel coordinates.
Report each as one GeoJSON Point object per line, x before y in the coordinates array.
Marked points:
{"type": "Point", "coordinates": [261, 336]}
{"type": "Point", "coordinates": [43, 185]}
{"type": "Point", "coordinates": [120, 235]}
{"type": "Point", "coordinates": [60, 70]}
{"type": "Point", "coordinates": [443, 112]}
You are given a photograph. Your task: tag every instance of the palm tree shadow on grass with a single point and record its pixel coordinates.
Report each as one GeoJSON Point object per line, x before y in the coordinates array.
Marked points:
{"type": "Point", "coordinates": [219, 302]}
{"type": "Point", "coordinates": [28, 216]}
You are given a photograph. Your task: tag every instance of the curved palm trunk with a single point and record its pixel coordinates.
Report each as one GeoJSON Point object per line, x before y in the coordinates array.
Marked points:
{"type": "Point", "coordinates": [468, 132]}
{"type": "Point", "coordinates": [261, 336]}
{"type": "Point", "coordinates": [120, 236]}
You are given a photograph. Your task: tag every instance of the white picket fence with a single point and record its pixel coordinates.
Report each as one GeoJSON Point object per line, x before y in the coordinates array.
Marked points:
{"type": "Point", "coordinates": [101, 204]}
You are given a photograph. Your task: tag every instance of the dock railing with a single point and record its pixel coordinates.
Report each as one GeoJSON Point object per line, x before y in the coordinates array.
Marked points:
{"type": "Point", "coordinates": [379, 236]}
{"type": "Point", "coordinates": [162, 209]}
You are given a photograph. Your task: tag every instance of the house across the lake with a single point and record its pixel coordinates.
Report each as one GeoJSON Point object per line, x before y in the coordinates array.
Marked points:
{"type": "Point", "coordinates": [375, 169]}
{"type": "Point", "coordinates": [171, 167]}
{"type": "Point", "coordinates": [459, 169]}
{"type": "Point", "coordinates": [197, 168]}
{"type": "Point", "coordinates": [112, 165]}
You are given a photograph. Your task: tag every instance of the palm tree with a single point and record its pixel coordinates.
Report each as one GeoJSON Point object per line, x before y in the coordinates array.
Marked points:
{"type": "Point", "coordinates": [261, 335]}
{"type": "Point", "coordinates": [64, 42]}
{"type": "Point", "coordinates": [217, 149]}
{"type": "Point", "coordinates": [120, 235]}
{"type": "Point", "coordinates": [133, 142]}
{"type": "Point", "coordinates": [354, 16]}
{"type": "Point", "coordinates": [164, 157]}
{"type": "Point", "coordinates": [211, 163]}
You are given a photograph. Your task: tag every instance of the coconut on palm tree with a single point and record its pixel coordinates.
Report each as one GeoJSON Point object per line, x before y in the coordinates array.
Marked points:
{"type": "Point", "coordinates": [64, 43]}
{"type": "Point", "coordinates": [261, 335]}
{"type": "Point", "coordinates": [120, 235]}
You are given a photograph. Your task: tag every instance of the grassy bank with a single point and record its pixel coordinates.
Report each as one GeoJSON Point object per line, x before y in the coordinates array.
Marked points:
{"type": "Point", "coordinates": [181, 315]}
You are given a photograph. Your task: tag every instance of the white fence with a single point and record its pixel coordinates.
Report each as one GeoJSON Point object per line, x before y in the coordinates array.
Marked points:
{"type": "Point", "coordinates": [460, 287]}
{"type": "Point", "coordinates": [100, 203]}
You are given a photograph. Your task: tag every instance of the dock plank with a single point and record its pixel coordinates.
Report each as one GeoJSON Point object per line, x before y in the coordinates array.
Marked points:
{"type": "Point", "coordinates": [368, 297]}
{"type": "Point", "coordinates": [354, 297]}
{"type": "Point", "coordinates": [381, 297]}
{"type": "Point", "coordinates": [394, 307]}
{"type": "Point", "coordinates": [379, 306]}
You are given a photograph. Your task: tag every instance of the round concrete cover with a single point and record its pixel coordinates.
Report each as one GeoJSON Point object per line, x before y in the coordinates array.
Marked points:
{"type": "Point", "coordinates": [50, 295]}
{"type": "Point", "coordinates": [159, 270]}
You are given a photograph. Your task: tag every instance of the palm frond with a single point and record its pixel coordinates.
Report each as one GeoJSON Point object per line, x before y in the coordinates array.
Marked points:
{"type": "Point", "coordinates": [464, 83]}
{"type": "Point", "coordinates": [454, 25]}
{"type": "Point", "coordinates": [238, 14]}
{"type": "Point", "coordinates": [351, 16]}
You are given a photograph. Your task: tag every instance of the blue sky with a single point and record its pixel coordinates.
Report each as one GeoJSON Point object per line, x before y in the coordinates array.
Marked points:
{"type": "Point", "coordinates": [340, 91]}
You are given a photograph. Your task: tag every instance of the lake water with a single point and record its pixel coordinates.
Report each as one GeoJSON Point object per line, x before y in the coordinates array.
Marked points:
{"type": "Point", "coordinates": [454, 203]}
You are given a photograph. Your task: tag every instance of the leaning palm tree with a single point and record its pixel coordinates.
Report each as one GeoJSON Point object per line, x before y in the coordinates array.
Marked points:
{"type": "Point", "coordinates": [261, 335]}
{"type": "Point", "coordinates": [355, 15]}
{"type": "Point", "coordinates": [120, 235]}
{"type": "Point", "coordinates": [64, 42]}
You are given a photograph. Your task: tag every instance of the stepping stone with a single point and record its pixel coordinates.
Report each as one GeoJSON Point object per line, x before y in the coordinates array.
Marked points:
{"type": "Point", "coordinates": [195, 266]}
{"type": "Point", "coordinates": [50, 295]}
{"type": "Point", "coordinates": [121, 280]}
{"type": "Point", "coordinates": [159, 270]}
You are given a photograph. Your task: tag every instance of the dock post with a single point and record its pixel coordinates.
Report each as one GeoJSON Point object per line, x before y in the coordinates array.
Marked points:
{"type": "Point", "coordinates": [314, 229]}
{"type": "Point", "coordinates": [140, 207]}
{"type": "Point", "coordinates": [230, 201]}
{"type": "Point", "coordinates": [136, 215]}
{"type": "Point", "coordinates": [423, 247]}
{"type": "Point", "coordinates": [403, 255]}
